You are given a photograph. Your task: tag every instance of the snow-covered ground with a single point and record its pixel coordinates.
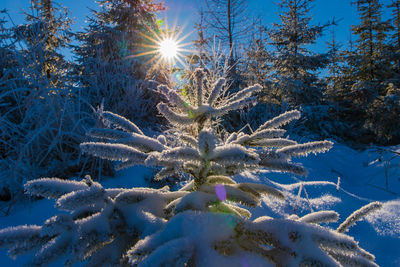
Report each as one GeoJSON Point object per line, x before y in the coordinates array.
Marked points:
{"type": "Point", "coordinates": [364, 177]}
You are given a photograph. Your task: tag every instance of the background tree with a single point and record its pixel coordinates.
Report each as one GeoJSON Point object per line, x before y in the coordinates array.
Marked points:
{"type": "Point", "coordinates": [370, 45]}
{"type": "Point", "coordinates": [257, 57]}
{"type": "Point", "coordinates": [367, 79]}
{"type": "Point", "coordinates": [227, 21]}
{"type": "Point", "coordinates": [107, 65]}
{"type": "Point", "coordinates": [41, 114]}
{"type": "Point", "coordinates": [394, 40]}
{"type": "Point", "coordinates": [46, 32]}
{"type": "Point", "coordinates": [295, 66]}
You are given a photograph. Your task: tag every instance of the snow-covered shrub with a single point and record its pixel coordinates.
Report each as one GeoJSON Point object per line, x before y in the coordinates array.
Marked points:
{"type": "Point", "coordinates": [41, 133]}
{"type": "Point", "coordinates": [207, 221]}
{"type": "Point", "coordinates": [42, 115]}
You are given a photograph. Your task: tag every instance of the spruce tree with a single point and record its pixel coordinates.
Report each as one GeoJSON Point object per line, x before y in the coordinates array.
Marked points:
{"type": "Point", "coordinates": [205, 222]}
{"type": "Point", "coordinates": [107, 65]}
{"type": "Point", "coordinates": [370, 45]}
{"type": "Point", "coordinates": [294, 65]}
{"type": "Point", "coordinates": [370, 85]}
{"type": "Point", "coordinates": [394, 43]}
{"type": "Point", "coordinates": [257, 57]}
{"type": "Point", "coordinates": [46, 32]}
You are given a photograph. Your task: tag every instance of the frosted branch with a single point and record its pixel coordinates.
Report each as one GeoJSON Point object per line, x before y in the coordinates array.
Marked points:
{"type": "Point", "coordinates": [108, 134]}
{"type": "Point", "coordinates": [273, 142]}
{"type": "Point", "coordinates": [216, 89]}
{"type": "Point", "coordinates": [234, 154]}
{"type": "Point", "coordinates": [180, 154]}
{"type": "Point", "coordinates": [113, 151]}
{"type": "Point", "coordinates": [220, 179]}
{"type": "Point", "coordinates": [358, 215]}
{"type": "Point", "coordinates": [239, 104]}
{"type": "Point", "coordinates": [281, 120]}
{"type": "Point", "coordinates": [318, 217]}
{"type": "Point", "coordinates": [52, 187]}
{"type": "Point", "coordinates": [189, 140]}
{"type": "Point", "coordinates": [143, 143]}
{"type": "Point", "coordinates": [199, 74]}
{"type": "Point", "coordinates": [173, 117]}
{"type": "Point", "coordinates": [207, 142]}
{"type": "Point", "coordinates": [307, 148]}
{"type": "Point", "coordinates": [120, 122]}
{"type": "Point", "coordinates": [173, 97]}
{"type": "Point", "coordinates": [244, 93]}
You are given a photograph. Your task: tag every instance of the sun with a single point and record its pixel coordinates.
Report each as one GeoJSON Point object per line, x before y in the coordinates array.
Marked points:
{"type": "Point", "coordinates": [168, 48]}
{"type": "Point", "coordinates": [165, 46]}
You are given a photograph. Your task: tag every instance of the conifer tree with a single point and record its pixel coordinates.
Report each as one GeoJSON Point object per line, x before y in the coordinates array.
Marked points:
{"type": "Point", "coordinates": [46, 32]}
{"type": "Point", "coordinates": [257, 57]}
{"type": "Point", "coordinates": [335, 61]}
{"type": "Point", "coordinates": [337, 82]}
{"type": "Point", "coordinates": [107, 64]}
{"type": "Point", "coordinates": [294, 65]}
{"type": "Point", "coordinates": [200, 224]}
{"type": "Point", "coordinates": [370, 45]}
{"type": "Point", "coordinates": [369, 87]}
{"type": "Point", "coordinates": [395, 37]}
{"type": "Point", "coordinates": [368, 63]}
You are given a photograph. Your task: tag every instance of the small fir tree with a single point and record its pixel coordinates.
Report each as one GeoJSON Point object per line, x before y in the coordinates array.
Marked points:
{"type": "Point", "coordinates": [207, 221]}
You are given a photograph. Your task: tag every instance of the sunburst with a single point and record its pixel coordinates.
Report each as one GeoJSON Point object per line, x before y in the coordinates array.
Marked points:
{"type": "Point", "coordinates": [166, 46]}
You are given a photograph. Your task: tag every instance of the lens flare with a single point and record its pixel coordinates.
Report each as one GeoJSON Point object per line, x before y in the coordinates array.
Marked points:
{"type": "Point", "coordinates": [220, 192]}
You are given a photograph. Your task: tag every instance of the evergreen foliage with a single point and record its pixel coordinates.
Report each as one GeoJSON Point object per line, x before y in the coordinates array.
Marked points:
{"type": "Point", "coordinates": [107, 69]}
{"type": "Point", "coordinates": [364, 87]}
{"type": "Point", "coordinates": [47, 31]}
{"type": "Point", "coordinates": [205, 222]}
{"type": "Point", "coordinates": [370, 46]}
{"type": "Point", "coordinates": [294, 66]}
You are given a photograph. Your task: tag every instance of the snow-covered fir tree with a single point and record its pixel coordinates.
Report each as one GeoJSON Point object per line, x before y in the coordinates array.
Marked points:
{"type": "Point", "coordinates": [46, 32]}
{"type": "Point", "coordinates": [395, 37]}
{"type": "Point", "coordinates": [370, 45]}
{"type": "Point", "coordinates": [294, 65]}
{"type": "Point", "coordinates": [108, 68]}
{"type": "Point", "coordinates": [257, 57]}
{"type": "Point", "coordinates": [207, 222]}
{"type": "Point", "coordinates": [366, 87]}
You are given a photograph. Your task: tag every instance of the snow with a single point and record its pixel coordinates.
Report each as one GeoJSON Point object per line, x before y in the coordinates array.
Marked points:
{"type": "Point", "coordinates": [365, 176]}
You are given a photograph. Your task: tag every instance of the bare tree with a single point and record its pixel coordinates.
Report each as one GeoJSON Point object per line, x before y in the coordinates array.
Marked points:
{"type": "Point", "coordinates": [228, 22]}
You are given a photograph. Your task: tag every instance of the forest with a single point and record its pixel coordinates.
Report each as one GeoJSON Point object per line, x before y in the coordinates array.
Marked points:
{"type": "Point", "coordinates": [134, 143]}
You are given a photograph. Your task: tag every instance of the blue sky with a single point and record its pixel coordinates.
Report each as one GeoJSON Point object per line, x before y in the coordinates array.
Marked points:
{"type": "Point", "coordinates": [184, 13]}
